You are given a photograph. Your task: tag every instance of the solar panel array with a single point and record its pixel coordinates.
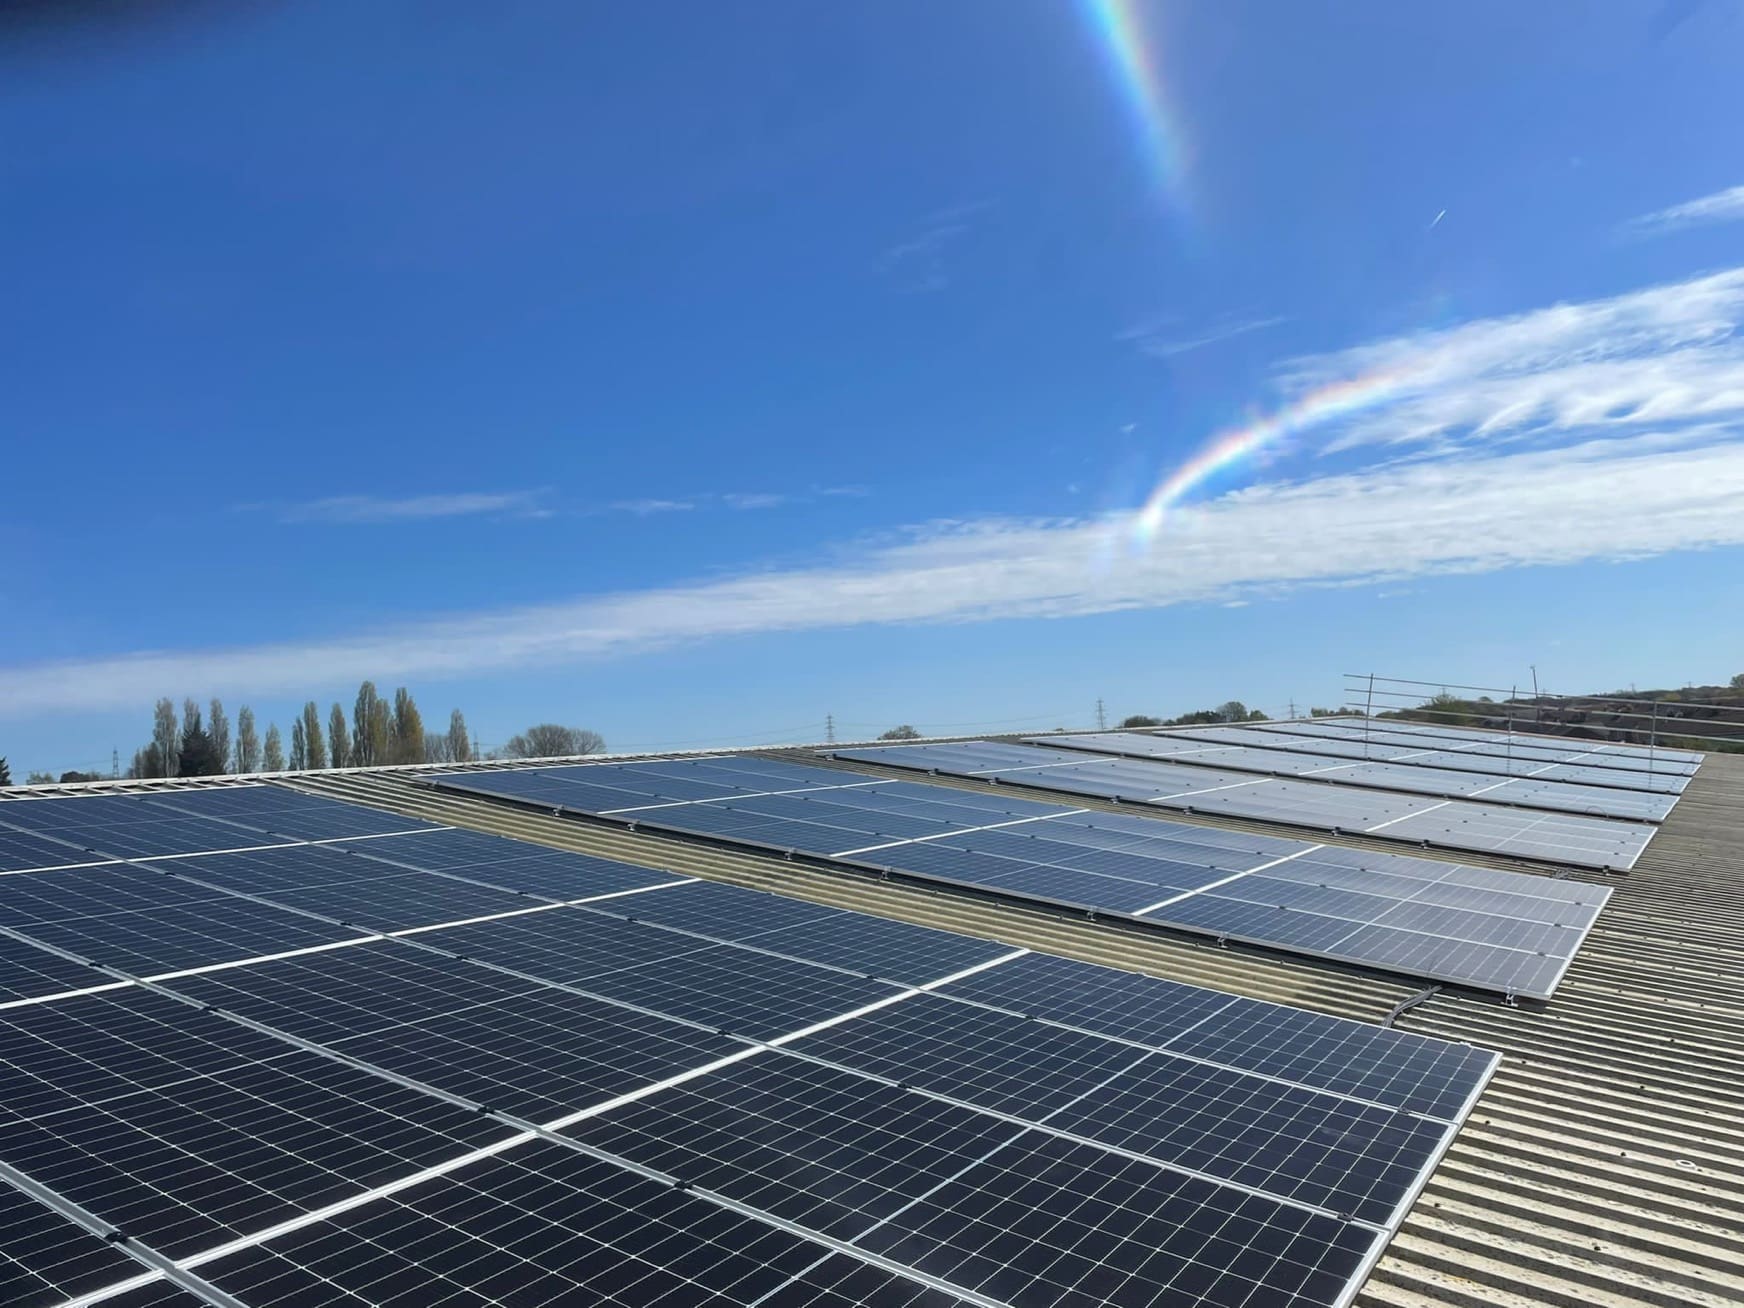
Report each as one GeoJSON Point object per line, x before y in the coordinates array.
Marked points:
{"type": "Point", "coordinates": [355, 1059]}
{"type": "Point", "coordinates": [1207, 742]}
{"type": "Point", "coordinates": [1419, 820]}
{"type": "Point", "coordinates": [1522, 792]}
{"type": "Point", "coordinates": [1443, 921]}
{"type": "Point", "coordinates": [1502, 744]}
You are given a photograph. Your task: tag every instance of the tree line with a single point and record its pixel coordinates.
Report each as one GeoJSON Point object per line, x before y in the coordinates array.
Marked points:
{"type": "Point", "coordinates": [201, 742]}
{"type": "Point", "coordinates": [1229, 711]}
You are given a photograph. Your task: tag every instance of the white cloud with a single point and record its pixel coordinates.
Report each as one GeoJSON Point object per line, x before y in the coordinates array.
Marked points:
{"type": "Point", "coordinates": [642, 508]}
{"type": "Point", "coordinates": [917, 265]}
{"type": "Point", "coordinates": [362, 509]}
{"type": "Point", "coordinates": [1605, 500]}
{"type": "Point", "coordinates": [1666, 355]}
{"type": "Point", "coordinates": [1720, 207]}
{"type": "Point", "coordinates": [1154, 339]}
{"type": "Point", "coordinates": [754, 500]}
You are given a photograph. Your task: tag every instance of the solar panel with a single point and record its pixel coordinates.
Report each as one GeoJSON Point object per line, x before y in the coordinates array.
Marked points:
{"type": "Point", "coordinates": [1607, 754]}
{"type": "Point", "coordinates": [1414, 778]}
{"type": "Point", "coordinates": [1492, 930]}
{"type": "Point", "coordinates": [1592, 842]}
{"type": "Point", "coordinates": [677, 1092]}
{"type": "Point", "coordinates": [46, 1259]}
{"type": "Point", "coordinates": [1205, 743]}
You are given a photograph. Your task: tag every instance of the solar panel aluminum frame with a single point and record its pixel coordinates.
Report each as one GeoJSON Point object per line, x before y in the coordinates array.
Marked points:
{"type": "Point", "coordinates": [1090, 912]}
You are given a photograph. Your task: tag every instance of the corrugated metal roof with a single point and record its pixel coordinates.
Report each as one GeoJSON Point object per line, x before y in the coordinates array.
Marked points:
{"type": "Point", "coordinates": [1605, 1165]}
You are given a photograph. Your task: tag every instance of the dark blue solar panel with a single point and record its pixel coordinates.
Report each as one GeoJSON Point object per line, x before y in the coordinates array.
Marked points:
{"type": "Point", "coordinates": [19, 849]}
{"type": "Point", "coordinates": [1189, 877]}
{"type": "Point", "coordinates": [45, 1259]}
{"type": "Point", "coordinates": [283, 811]}
{"type": "Point", "coordinates": [1070, 1082]}
{"type": "Point", "coordinates": [517, 1046]}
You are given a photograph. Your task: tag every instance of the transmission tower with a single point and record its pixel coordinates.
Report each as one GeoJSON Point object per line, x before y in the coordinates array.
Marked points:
{"type": "Point", "coordinates": [1101, 717]}
{"type": "Point", "coordinates": [829, 728]}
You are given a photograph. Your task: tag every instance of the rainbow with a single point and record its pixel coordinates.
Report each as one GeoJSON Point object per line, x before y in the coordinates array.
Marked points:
{"type": "Point", "coordinates": [1139, 72]}
{"type": "Point", "coordinates": [1337, 399]}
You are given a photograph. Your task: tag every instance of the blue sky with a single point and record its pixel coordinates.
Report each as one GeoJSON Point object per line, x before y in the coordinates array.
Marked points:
{"type": "Point", "coordinates": [692, 372]}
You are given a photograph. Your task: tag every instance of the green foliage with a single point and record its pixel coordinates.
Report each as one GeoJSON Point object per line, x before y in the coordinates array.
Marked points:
{"type": "Point", "coordinates": [39, 779]}
{"type": "Point", "coordinates": [904, 732]}
{"type": "Point", "coordinates": [407, 730]}
{"type": "Point", "coordinates": [198, 757]}
{"type": "Point", "coordinates": [70, 776]}
{"type": "Point", "coordinates": [338, 738]}
{"type": "Point", "coordinates": [314, 747]}
{"type": "Point", "coordinates": [247, 756]}
{"type": "Point", "coordinates": [369, 722]}
{"type": "Point", "coordinates": [1140, 720]}
{"type": "Point", "coordinates": [273, 753]}
{"type": "Point", "coordinates": [218, 727]}
{"type": "Point", "coordinates": [459, 748]}
{"type": "Point", "coordinates": [5, 773]}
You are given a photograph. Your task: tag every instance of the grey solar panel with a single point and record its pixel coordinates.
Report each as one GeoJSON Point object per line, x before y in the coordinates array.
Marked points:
{"type": "Point", "coordinates": [1209, 744]}
{"type": "Point", "coordinates": [1519, 744]}
{"type": "Point", "coordinates": [554, 1110]}
{"type": "Point", "coordinates": [1593, 842]}
{"type": "Point", "coordinates": [1531, 791]}
{"type": "Point", "coordinates": [1442, 921]}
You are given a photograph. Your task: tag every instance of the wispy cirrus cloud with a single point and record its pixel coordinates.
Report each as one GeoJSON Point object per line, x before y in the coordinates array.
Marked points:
{"type": "Point", "coordinates": [1654, 358]}
{"type": "Point", "coordinates": [1164, 339]}
{"type": "Point", "coordinates": [1598, 500]}
{"type": "Point", "coordinates": [739, 501]}
{"type": "Point", "coordinates": [916, 265]}
{"type": "Point", "coordinates": [1721, 207]}
{"type": "Point", "coordinates": [354, 510]}
{"type": "Point", "coordinates": [754, 499]}
{"type": "Point", "coordinates": [643, 508]}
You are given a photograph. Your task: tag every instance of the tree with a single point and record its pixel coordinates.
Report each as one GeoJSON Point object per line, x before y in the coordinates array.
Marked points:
{"type": "Point", "coordinates": [299, 759]}
{"type": "Point", "coordinates": [1256, 715]}
{"type": "Point", "coordinates": [165, 737]}
{"type": "Point", "coordinates": [436, 747]}
{"type": "Point", "coordinates": [39, 779]}
{"type": "Point", "coordinates": [81, 776]}
{"type": "Point", "coordinates": [1232, 711]}
{"type": "Point", "coordinates": [1738, 682]}
{"type": "Point", "coordinates": [369, 734]}
{"type": "Point", "coordinates": [1140, 720]}
{"type": "Point", "coordinates": [338, 740]}
{"type": "Point", "coordinates": [408, 729]}
{"type": "Point", "coordinates": [314, 748]}
{"type": "Point", "coordinates": [548, 740]}
{"type": "Point", "coordinates": [196, 757]}
{"type": "Point", "coordinates": [272, 756]}
{"type": "Point", "coordinates": [459, 746]}
{"type": "Point", "coordinates": [5, 773]}
{"type": "Point", "coordinates": [218, 727]}
{"type": "Point", "coordinates": [904, 732]}
{"type": "Point", "coordinates": [247, 743]}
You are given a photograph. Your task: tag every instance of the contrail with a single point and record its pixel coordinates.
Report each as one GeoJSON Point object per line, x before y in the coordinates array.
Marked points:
{"type": "Point", "coordinates": [1438, 217]}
